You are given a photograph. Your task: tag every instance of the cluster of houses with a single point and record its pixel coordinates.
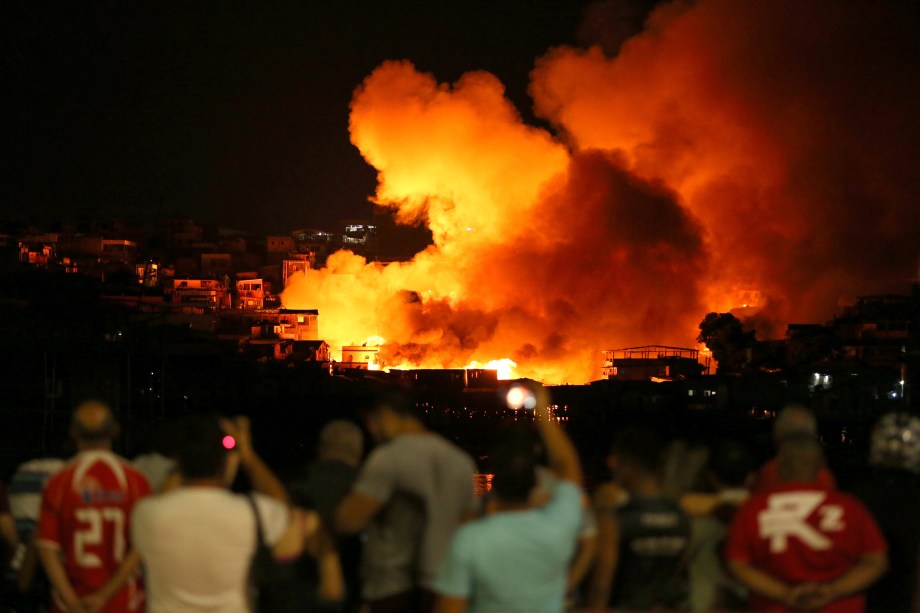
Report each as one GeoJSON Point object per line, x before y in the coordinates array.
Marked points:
{"type": "Point", "coordinates": [226, 283]}
{"type": "Point", "coordinates": [203, 277]}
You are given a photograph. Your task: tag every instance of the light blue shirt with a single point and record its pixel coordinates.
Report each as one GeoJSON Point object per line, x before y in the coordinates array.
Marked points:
{"type": "Point", "coordinates": [516, 560]}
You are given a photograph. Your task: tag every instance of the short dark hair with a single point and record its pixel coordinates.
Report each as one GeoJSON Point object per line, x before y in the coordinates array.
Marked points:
{"type": "Point", "coordinates": [639, 446]}
{"type": "Point", "coordinates": [199, 449]}
{"type": "Point", "coordinates": [514, 466]}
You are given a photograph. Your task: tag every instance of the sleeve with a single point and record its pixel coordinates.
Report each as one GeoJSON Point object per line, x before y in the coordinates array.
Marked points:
{"type": "Point", "coordinates": [737, 543]}
{"type": "Point", "coordinates": [274, 516]}
{"type": "Point", "coordinates": [456, 576]}
{"type": "Point", "coordinates": [49, 516]}
{"type": "Point", "coordinates": [377, 478]}
{"type": "Point", "coordinates": [565, 507]}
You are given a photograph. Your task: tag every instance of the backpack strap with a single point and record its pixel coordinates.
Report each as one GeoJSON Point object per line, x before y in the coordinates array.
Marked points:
{"type": "Point", "coordinates": [252, 502]}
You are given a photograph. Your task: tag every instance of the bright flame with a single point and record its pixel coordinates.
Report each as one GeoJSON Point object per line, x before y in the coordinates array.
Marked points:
{"type": "Point", "coordinates": [504, 367]}
{"type": "Point", "coordinates": [705, 157]}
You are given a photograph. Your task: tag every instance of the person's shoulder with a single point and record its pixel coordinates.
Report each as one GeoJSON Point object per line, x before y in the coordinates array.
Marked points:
{"type": "Point", "coordinates": [477, 529]}
{"type": "Point", "coordinates": [847, 499]}
{"type": "Point", "coordinates": [134, 472]}
{"type": "Point", "coordinates": [260, 499]}
{"type": "Point", "coordinates": [47, 466]}
{"type": "Point", "coordinates": [566, 488]}
{"type": "Point", "coordinates": [55, 483]}
{"type": "Point", "coordinates": [149, 507]}
{"type": "Point", "coordinates": [754, 504]}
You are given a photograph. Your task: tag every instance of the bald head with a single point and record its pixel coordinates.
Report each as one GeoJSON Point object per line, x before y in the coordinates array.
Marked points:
{"type": "Point", "coordinates": [341, 440]}
{"type": "Point", "coordinates": [794, 421]}
{"type": "Point", "coordinates": [93, 425]}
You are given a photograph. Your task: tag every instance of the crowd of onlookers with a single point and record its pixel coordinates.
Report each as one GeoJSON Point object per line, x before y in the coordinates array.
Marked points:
{"type": "Point", "coordinates": [203, 524]}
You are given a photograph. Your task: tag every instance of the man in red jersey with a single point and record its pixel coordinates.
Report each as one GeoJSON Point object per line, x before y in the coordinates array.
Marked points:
{"type": "Point", "coordinates": [83, 529]}
{"type": "Point", "coordinates": [803, 546]}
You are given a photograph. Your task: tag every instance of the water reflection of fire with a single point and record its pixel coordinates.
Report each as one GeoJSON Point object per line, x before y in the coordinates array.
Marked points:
{"type": "Point", "coordinates": [703, 158]}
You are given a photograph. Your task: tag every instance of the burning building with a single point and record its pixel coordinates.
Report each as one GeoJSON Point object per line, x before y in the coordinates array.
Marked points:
{"type": "Point", "coordinates": [724, 146]}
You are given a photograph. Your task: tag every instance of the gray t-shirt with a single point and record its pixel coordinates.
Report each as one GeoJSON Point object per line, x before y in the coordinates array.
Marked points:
{"type": "Point", "coordinates": [426, 484]}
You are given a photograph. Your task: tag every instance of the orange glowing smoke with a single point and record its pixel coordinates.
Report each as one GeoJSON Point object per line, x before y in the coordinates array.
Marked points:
{"type": "Point", "coordinates": [751, 146]}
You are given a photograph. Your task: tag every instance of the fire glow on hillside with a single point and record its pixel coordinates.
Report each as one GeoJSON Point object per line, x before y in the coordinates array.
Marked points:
{"type": "Point", "coordinates": [725, 148]}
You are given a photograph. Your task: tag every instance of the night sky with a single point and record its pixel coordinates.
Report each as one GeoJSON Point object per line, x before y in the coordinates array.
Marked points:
{"type": "Point", "coordinates": [231, 112]}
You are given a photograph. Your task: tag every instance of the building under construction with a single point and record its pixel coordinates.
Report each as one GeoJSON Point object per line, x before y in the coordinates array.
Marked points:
{"type": "Point", "coordinates": [652, 362]}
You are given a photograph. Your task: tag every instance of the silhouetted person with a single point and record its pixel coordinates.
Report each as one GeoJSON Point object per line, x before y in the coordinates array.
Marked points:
{"type": "Point", "coordinates": [891, 492]}
{"type": "Point", "coordinates": [197, 540]}
{"type": "Point", "coordinates": [793, 422]}
{"type": "Point", "coordinates": [517, 557]}
{"type": "Point", "coordinates": [33, 591]}
{"type": "Point", "coordinates": [156, 462]}
{"type": "Point", "coordinates": [325, 483]}
{"type": "Point", "coordinates": [642, 542]}
{"type": "Point", "coordinates": [803, 546]}
{"type": "Point", "coordinates": [84, 526]}
{"type": "Point", "coordinates": [409, 498]}
{"type": "Point", "coordinates": [729, 469]}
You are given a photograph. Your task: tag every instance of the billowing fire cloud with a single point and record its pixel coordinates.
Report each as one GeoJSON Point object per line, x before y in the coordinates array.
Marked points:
{"type": "Point", "coordinates": [725, 148]}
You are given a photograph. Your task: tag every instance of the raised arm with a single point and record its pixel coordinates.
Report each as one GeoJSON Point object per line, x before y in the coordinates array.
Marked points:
{"type": "Point", "coordinates": [262, 478]}
{"type": "Point", "coordinates": [560, 452]}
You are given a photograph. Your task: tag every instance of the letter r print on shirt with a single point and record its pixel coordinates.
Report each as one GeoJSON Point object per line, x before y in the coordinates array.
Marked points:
{"type": "Point", "coordinates": [787, 515]}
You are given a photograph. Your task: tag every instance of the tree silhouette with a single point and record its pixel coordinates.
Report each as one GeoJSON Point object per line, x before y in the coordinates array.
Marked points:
{"type": "Point", "coordinates": [724, 335]}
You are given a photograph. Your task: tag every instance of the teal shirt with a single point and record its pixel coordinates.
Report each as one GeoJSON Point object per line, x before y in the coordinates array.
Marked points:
{"type": "Point", "coordinates": [517, 560]}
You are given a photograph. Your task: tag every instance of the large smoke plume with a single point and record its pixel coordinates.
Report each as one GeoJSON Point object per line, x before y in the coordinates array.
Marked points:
{"type": "Point", "coordinates": [730, 150]}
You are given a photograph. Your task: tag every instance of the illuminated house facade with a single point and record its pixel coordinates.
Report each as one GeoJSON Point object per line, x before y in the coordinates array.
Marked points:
{"type": "Point", "coordinates": [250, 293]}
{"type": "Point", "coordinates": [360, 356]}
{"type": "Point", "coordinates": [38, 250]}
{"type": "Point", "coordinates": [299, 264]}
{"type": "Point", "coordinates": [198, 295]}
{"type": "Point", "coordinates": [298, 324]}
{"type": "Point", "coordinates": [311, 351]}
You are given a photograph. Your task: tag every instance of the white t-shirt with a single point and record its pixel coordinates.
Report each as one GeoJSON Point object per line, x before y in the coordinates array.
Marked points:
{"type": "Point", "coordinates": [197, 545]}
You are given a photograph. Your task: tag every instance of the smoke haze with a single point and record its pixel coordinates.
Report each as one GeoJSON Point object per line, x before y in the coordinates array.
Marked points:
{"type": "Point", "coordinates": [728, 151]}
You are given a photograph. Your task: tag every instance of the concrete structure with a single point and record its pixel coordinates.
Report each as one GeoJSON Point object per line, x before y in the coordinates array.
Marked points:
{"type": "Point", "coordinates": [298, 324]}
{"type": "Point", "coordinates": [360, 356]}
{"type": "Point", "coordinates": [250, 294]}
{"type": "Point", "coordinates": [652, 362]}
{"type": "Point", "coordinates": [198, 295]}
